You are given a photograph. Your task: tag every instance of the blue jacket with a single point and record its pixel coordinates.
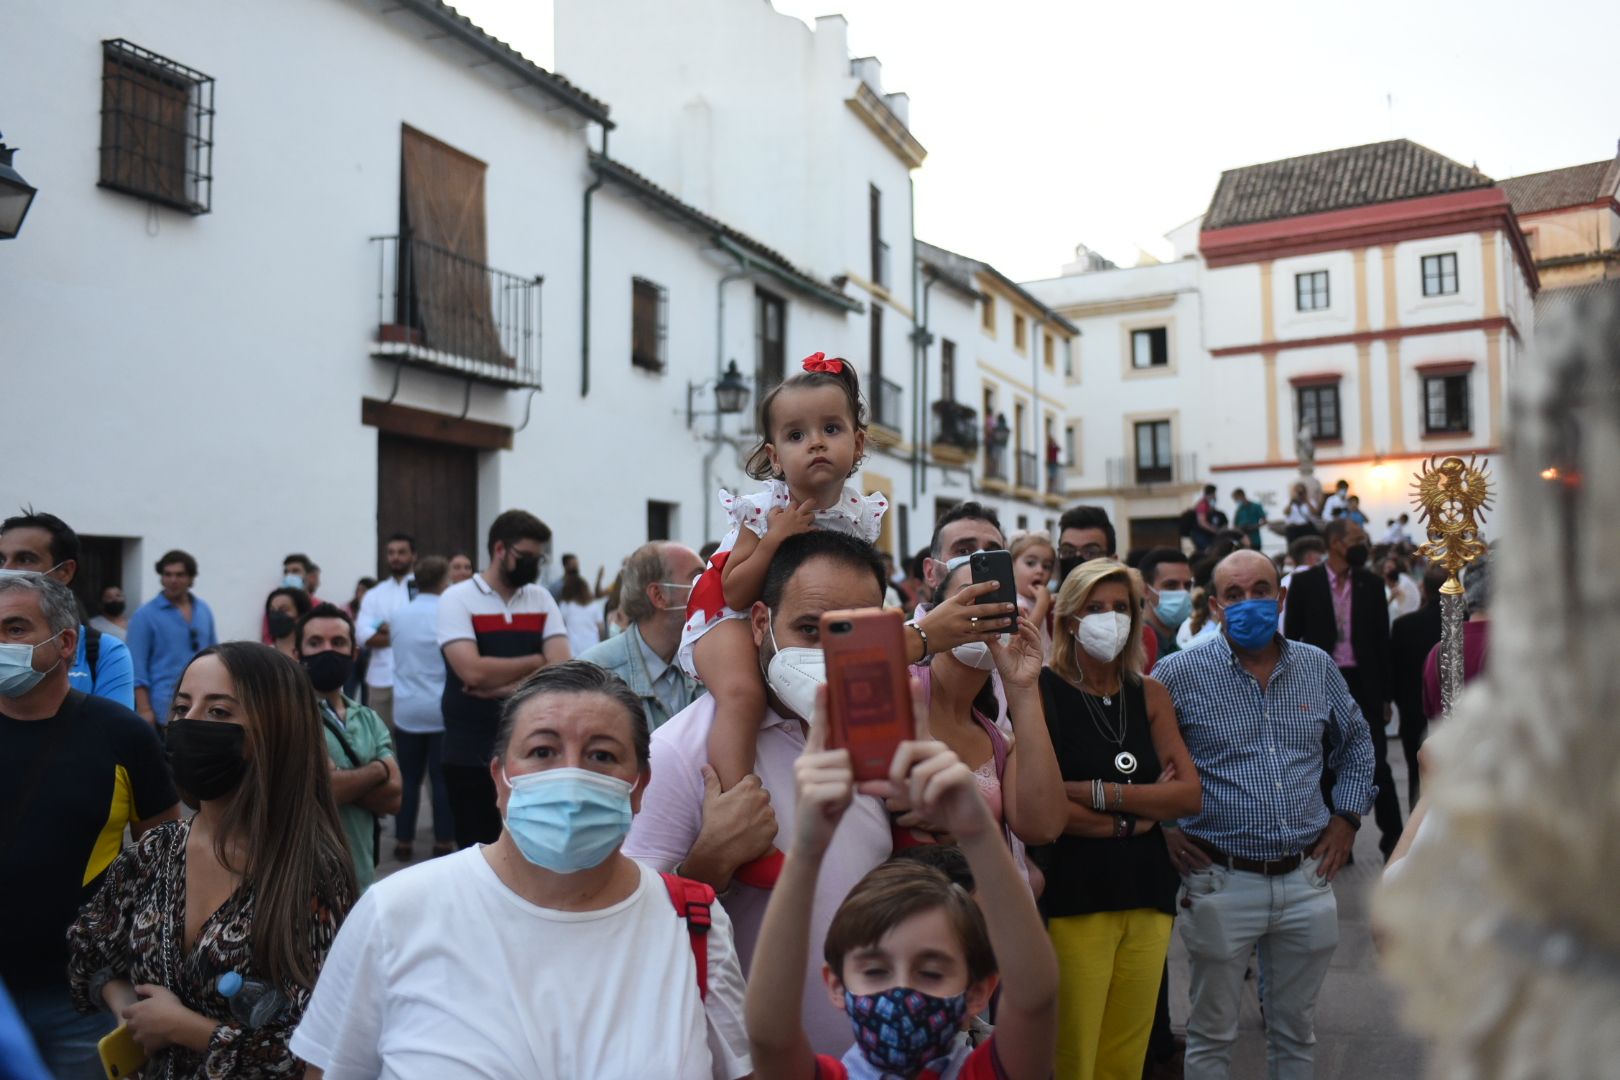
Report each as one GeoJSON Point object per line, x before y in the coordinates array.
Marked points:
{"type": "Point", "coordinates": [622, 656]}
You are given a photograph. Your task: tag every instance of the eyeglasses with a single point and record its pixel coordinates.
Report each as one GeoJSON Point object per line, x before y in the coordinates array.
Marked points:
{"type": "Point", "coordinates": [1087, 553]}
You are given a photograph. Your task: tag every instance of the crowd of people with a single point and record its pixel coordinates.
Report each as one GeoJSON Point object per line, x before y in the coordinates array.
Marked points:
{"type": "Point", "coordinates": [647, 858]}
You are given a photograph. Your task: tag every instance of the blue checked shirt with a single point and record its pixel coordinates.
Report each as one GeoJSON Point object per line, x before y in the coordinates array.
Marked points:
{"type": "Point", "coordinates": [1259, 754]}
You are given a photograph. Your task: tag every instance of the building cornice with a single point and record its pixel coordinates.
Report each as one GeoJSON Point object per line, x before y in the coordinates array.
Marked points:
{"type": "Point", "coordinates": [1390, 333]}
{"type": "Point", "coordinates": [1478, 210]}
{"type": "Point", "coordinates": [882, 121]}
{"type": "Point", "coordinates": [1097, 308]}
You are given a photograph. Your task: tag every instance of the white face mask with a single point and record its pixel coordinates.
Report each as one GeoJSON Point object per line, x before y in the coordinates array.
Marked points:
{"type": "Point", "coordinates": [975, 654]}
{"type": "Point", "coordinates": [794, 674]}
{"type": "Point", "coordinates": [1104, 634]}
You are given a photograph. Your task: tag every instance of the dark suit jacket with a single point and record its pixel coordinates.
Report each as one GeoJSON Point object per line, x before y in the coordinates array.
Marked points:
{"type": "Point", "coordinates": [1410, 638]}
{"type": "Point", "coordinates": [1310, 619]}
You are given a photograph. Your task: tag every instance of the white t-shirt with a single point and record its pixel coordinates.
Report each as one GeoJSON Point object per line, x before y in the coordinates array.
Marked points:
{"type": "Point", "coordinates": [443, 973]}
{"type": "Point", "coordinates": [376, 608]}
{"type": "Point", "coordinates": [584, 624]}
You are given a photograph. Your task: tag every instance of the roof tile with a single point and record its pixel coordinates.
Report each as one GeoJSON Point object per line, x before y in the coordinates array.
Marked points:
{"type": "Point", "coordinates": [1574, 185]}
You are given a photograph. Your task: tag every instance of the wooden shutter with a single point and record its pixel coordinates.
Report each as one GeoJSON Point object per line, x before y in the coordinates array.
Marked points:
{"type": "Point", "coordinates": [144, 131]}
{"type": "Point", "coordinates": [443, 191]}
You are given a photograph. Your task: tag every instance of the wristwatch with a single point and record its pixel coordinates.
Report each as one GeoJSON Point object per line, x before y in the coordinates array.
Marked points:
{"type": "Point", "coordinates": [1351, 818]}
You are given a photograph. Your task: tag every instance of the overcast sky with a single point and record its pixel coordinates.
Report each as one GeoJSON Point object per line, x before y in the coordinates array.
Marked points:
{"type": "Point", "coordinates": [1048, 124]}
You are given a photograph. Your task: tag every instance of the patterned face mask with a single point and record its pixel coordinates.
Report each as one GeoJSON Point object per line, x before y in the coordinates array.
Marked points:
{"type": "Point", "coordinates": [901, 1030]}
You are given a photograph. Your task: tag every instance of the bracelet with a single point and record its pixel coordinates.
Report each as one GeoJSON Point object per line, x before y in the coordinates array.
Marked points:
{"type": "Point", "coordinates": [1119, 797]}
{"type": "Point", "coordinates": [924, 635]}
{"type": "Point", "coordinates": [1099, 801]}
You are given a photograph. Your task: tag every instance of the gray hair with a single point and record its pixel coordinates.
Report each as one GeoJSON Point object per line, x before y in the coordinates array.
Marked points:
{"type": "Point", "coordinates": [576, 677]}
{"type": "Point", "coordinates": [644, 567]}
{"type": "Point", "coordinates": [56, 601]}
{"type": "Point", "coordinates": [1477, 585]}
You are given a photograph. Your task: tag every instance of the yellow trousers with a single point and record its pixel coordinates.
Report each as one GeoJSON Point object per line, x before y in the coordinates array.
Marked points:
{"type": "Point", "coordinates": [1109, 968]}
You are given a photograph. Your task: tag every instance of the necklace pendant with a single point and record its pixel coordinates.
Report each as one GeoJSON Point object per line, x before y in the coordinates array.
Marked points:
{"type": "Point", "coordinates": [1107, 700]}
{"type": "Point", "coordinates": [1125, 762]}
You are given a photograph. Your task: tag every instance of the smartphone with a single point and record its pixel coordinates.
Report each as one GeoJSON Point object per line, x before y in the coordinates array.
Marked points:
{"type": "Point", "coordinates": [996, 566]}
{"type": "Point", "coordinates": [121, 1055]}
{"type": "Point", "coordinates": [868, 692]}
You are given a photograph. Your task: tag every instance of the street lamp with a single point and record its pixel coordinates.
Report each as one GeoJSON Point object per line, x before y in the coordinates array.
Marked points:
{"type": "Point", "coordinates": [730, 394]}
{"type": "Point", "coordinates": [15, 195]}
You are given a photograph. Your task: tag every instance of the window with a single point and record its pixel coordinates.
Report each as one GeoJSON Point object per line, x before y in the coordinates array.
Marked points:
{"type": "Point", "coordinates": [1071, 446]}
{"type": "Point", "coordinates": [1150, 348]}
{"type": "Point", "coordinates": [880, 250]}
{"type": "Point", "coordinates": [661, 520]}
{"type": "Point", "coordinates": [1445, 405]}
{"type": "Point", "coordinates": [1050, 352]}
{"type": "Point", "coordinates": [987, 315]}
{"type": "Point", "coordinates": [1440, 274]}
{"type": "Point", "coordinates": [1153, 461]}
{"type": "Point", "coordinates": [1020, 333]}
{"type": "Point", "coordinates": [1317, 408]}
{"type": "Point", "coordinates": [947, 369]}
{"type": "Point", "coordinates": [770, 341]}
{"type": "Point", "coordinates": [1311, 291]}
{"type": "Point", "coordinates": [157, 128]}
{"type": "Point", "coordinates": [648, 303]}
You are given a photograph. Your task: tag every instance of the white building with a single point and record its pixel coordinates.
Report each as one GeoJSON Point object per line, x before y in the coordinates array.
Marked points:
{"type": "Point", "coordinates": [394, 276]}
{"type": "Point", "coordinates": [1378, 296]}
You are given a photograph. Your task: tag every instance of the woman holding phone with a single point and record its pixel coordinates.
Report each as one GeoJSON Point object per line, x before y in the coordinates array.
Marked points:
{"type": "Point", "coordinates": [1016, 771]}
{"type": "Point", "coordinates": [255, 884]}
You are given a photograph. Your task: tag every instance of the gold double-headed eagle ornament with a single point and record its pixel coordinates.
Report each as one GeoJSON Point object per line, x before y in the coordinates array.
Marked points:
{"type": "Point", "coordinates": [1452, 496]}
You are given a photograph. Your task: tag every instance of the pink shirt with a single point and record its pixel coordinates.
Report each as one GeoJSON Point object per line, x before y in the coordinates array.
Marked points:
{"type": "Point", "coordinates": [1344, 652]}
{"type": "Point", "coordinates": [672, 813]}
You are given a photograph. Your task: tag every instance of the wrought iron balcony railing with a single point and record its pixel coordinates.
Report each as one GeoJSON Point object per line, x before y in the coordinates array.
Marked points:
{"type": "Point", "coordinates": [1029, 469]}
{"type": "Point", "coordinates": [1125, 472]}
{"type": "Point", "coordinates": [956, 425]}
{"type": "Point", "coordinates": [444, 312]}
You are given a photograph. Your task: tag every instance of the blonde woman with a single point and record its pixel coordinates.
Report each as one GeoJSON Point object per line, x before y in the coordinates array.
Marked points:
{"type": "Point", "coordinates": [1110, 891]}
{"type": "Point", "coordinates": [1034, 562]}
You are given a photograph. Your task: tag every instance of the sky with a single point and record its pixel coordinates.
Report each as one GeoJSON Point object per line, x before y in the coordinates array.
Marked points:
{"type": "Point", "coordinates": [1049, 124]}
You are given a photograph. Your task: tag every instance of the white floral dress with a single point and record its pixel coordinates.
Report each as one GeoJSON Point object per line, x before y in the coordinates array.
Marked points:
{"type": "Point", "coordinates": [853, 514]}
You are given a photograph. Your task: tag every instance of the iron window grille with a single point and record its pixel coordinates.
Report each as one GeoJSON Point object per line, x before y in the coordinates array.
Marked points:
{"type": "Point", "coordinates": [1440, 274]}
{"type": "Point", "coordinates": [1311, 291]}
{"type": "Point", "coordinates": [649, 329]}
{"type": "Point", "coordinates": [157, 128]}
{"type": "Point", "coordinates": [1318, 410]}
{"type": "Point", "coordinates": [1445, 405]}
{"type": "Point", "coordinates": [1150, 348]}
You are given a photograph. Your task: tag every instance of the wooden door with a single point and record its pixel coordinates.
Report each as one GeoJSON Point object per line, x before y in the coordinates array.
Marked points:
{"type": "Point", "coordinates": [429, 490]}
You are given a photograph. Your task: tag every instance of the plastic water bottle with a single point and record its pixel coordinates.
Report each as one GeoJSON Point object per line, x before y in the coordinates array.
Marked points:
{"type": "Point", "coordinates": [253, 1002]}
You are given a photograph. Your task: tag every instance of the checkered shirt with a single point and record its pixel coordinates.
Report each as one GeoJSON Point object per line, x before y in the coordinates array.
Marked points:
{"type": "Point", "coordinates": [1259, 754]}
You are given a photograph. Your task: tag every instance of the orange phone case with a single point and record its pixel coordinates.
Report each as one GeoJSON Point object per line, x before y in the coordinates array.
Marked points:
{"type": "Point", "coordinates": [868, 692]}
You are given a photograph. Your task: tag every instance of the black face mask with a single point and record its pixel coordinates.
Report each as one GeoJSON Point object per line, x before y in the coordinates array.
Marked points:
{"type": "Point", "coordinates": [1356, 555]}
{"type": "Point", "coordinates": [328, 670]}
{"type": "Point", "coordinates": [281, 624]}
{"type": "Point", "coordinates": [205, 756]}
{"type": "Point", "coordinates": [525, 570]}
{"type": "Point", "coordinates": [114, 608]}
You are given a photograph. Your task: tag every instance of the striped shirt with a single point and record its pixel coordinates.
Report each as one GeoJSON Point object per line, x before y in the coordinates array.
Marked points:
{"type": "Point", "coordinates": [1259, 753]}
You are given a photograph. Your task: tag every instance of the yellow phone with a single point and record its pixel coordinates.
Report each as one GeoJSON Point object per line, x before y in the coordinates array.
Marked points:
{"type": "Point", "coordinates": [121, 1055]}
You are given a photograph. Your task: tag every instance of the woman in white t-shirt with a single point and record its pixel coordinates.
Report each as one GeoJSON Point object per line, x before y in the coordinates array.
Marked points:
{"type": "Point", "coordinates": [547, 954]}
{"type": "Point", "coordinates": [582, 616]}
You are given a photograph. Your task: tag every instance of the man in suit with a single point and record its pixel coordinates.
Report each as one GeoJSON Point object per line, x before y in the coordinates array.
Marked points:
{"type": "Point", "coordinates": [1339, 606]}
{"type": "Point", "coordinates": [1411, 637]}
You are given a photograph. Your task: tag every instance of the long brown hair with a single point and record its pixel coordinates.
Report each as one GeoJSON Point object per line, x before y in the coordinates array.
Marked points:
{"type": "Point", "coordinates": [759, 464]}
{"type": "Point", "coordinates": [283, 814]}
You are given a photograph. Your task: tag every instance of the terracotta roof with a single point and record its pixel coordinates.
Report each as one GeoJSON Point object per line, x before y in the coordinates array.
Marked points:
{"type": "Point", "coordinates": [959, 270]}
{"type": "Point", "coordinates": [1336, 180]}
{"type": "Point", "coordinates": [687, 214]}
{"type": "Point", "coordinates": [457, 25]}
{"type": "Point", "coordinates": [1574, 185]}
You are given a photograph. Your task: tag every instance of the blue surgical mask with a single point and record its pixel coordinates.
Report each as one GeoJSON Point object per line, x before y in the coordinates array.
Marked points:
{"type": "Point", "coordinates": [1251, 623]}
{"type": "Point", "coordinates": [1173, 608]}
{"type": "Point", "coordinates": [567, 820]}
{"type": "Point", "coordinates": [17, 673]}
{"type": "Point", "coordinates": [292, 581]}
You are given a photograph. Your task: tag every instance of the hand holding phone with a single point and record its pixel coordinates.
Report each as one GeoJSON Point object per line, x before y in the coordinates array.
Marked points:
{"type": "Point", "coordinates": [868, 692]}
{"type": "Point", "coordinates": [121, 1055]}
{"type": "Point", "coordinates": [996, 566]}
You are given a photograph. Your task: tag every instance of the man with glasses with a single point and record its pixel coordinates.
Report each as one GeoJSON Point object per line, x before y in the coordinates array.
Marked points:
{"type": "Point", "coordinates": [653, 589]}
{"type": "Point", "coordinates": [166, 633]}
{"type": "Point", "coordinates": [1084, 533]}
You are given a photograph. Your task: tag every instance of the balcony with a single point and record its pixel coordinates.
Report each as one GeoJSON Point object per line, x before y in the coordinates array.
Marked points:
{"type": "Point", "coordinates": [956, 425]}
{"type": "Point", "coordinates": [1029, 470]}
{"type": "Point", "coordinates": [886, 405]}
{"type": "Point", "coordinates": [442, 312]}
{"type": "Point", "coordinates": [1174, 471]}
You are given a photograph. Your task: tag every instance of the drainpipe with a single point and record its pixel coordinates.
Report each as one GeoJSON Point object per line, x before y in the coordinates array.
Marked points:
{"type": "Point", "coordinates": [919, 468]}
{"type": "Point", "coordinates": [585, 282]}
{"type": "Point", "coordinates": [720, 440]}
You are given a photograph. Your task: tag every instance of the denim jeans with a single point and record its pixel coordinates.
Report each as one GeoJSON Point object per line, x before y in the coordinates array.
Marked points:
{"type": "Point", "coordinates": [1294, 919]}
{"type": "Point", "coordinates": [418, 753]}
{"type": "Point", "coordinates": [66, 1038]}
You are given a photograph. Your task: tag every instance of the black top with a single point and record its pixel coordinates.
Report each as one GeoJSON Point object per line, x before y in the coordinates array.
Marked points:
{"type": "Point", "coordinates": [91, 769]}
{"type": "Point", "coordinates": [1086, 875]}
{"type": "Point", "coordinates": [1411, 637]}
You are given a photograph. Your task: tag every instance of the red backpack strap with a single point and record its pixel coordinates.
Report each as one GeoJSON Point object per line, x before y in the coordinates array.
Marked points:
{"type": "Point", "coordinates": [693, 900]}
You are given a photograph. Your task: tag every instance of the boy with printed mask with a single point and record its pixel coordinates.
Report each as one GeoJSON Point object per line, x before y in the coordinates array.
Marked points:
{"type": "Point", "coordinates": [909, 956]}
{"type": "Point", "coordinates": [1168, 579]}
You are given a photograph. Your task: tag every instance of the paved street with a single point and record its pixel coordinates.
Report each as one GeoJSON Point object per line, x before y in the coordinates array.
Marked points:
{"type": "Point", "coordinates": [1358, 1035]}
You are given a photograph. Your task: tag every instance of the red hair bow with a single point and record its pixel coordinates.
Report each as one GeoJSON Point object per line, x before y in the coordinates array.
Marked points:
{"type": "Point", "coordinates": [819, 362]}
